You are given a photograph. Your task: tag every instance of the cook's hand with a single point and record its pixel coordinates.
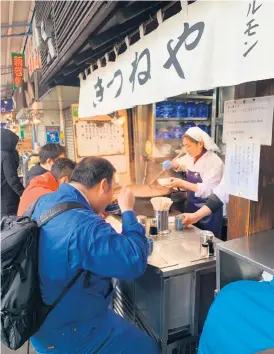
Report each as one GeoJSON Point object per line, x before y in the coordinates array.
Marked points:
{"type": "Point", "coordinates": [126, 199]}
{"type": "Point", "coordinates": [168, 165]}
{"type": "Point", "coordinates": [175, 183]}
{"type": "Point", "coordinates": [189, 219]}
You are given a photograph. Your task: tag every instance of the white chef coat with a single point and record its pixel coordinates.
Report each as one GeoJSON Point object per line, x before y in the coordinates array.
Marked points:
{"type": "Point", "coordinates": [209, 166]}
{"type": "Point", "coordinates": [221, 191]}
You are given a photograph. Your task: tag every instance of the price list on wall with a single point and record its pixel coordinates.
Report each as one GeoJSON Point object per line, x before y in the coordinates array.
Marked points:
{"type": "Point", "coordinates": [99, 138]}
{"type": "Point", "coordinates": [242, 168]}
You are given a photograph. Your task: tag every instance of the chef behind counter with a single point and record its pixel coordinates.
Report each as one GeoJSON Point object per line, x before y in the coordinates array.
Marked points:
{"type": "Point", "coordinates": [204, 171]}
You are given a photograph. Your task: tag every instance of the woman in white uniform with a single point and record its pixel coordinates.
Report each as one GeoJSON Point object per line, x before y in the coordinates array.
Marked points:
{"type": "Point", "coordinates": [204, 171]}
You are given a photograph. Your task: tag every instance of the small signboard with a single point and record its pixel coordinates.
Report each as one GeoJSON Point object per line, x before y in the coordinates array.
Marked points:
{"type": "Point", "coordinates": [6, 105]}
{"type": "Point", "coordinates": [18, 63]}
{"type": "Point", "coordinates": [53, 134]}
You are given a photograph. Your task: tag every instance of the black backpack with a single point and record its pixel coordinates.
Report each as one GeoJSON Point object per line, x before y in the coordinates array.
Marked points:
{"type": "Point", "coordinates": [22, 308]}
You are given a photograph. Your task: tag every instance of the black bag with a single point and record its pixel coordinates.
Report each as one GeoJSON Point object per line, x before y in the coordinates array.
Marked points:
{"type": "Point", "coordinates": [22, 308]}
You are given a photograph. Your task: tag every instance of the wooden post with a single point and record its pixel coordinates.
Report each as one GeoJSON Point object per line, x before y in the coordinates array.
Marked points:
{"type": "Point", "coordinates": [247, 217]}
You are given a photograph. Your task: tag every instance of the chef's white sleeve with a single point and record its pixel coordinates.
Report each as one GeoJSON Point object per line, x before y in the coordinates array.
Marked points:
{"type": "Point", "coordinates": [221, 191]}
{"type": "Point", "coordinates": [182, 162]}
{"type": "Point", "coordinates": [211, 179]}
{"type": "Point", "coordinates": [219, 196]}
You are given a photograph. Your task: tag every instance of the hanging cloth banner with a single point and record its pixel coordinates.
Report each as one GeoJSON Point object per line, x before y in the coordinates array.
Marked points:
{"type": "Point", "coordinates": [212, 44]}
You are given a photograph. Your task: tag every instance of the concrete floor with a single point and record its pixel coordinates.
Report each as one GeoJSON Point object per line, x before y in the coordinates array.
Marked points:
{"type": "Point", "coordinates": [26, 349]}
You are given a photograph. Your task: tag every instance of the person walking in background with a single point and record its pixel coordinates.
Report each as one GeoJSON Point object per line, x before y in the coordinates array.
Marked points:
{"type": "Point", "coordinates": [11, 187]}
{"type": "Point", "coordinates": [48, 182]}
{"type": "Point", "coordinates": [80, 240]}
{"type": "Point", "coordinates": [48, 154]}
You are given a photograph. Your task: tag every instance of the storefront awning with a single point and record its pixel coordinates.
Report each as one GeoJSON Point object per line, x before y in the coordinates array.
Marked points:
{"type": "Point", "coordinates": [206, 45]}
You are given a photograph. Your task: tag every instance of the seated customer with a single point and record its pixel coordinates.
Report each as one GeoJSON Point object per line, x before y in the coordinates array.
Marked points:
{"type": "Point", "coordinates": [46, 183]}
{"type": "Point", "coordinates": [241, 319]}
{"type": "Point", "coordinates": [47, 156]}
{"type": "Point", "coordinates": [77, 240]}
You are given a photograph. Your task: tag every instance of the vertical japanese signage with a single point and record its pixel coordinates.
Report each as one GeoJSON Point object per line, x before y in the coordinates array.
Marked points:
{"type": "Point", "coordinates": [18, 61]}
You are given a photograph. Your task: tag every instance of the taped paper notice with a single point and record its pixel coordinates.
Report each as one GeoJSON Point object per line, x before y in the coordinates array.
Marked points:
{"type": "Point", "coordinates": [242, 168]}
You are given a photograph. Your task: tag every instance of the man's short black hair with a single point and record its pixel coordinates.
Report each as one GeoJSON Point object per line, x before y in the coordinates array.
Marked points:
{"type": "Point", "coordinates": [92, 170]}
{"type": "Point", "coordinates": [50, 151]}
{"type": "Point", "coordinates": [62, 168]}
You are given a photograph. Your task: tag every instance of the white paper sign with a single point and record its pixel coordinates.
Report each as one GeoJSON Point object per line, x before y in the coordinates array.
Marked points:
{"type": "Point", "coordinates": [99, 138]}
{"type": "Point", "coordinates": [212, 44]}
{"type": "Point", "coordinates": [242, 167]}
{"type": "Point", "coordinates": [249, 118]}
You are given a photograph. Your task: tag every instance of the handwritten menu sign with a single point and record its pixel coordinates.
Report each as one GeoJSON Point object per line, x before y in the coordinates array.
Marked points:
{"type": "Point", "coordinates": [99, 138]}
{"type": "Point", "coordinates": [242, 168]}
{"type": "Point", "coordinates": [249, 118]}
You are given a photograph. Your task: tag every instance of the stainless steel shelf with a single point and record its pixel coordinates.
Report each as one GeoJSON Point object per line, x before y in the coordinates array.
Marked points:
{"type": "Point", "coordinates": [245, 258]}
{"type": "Point", "coordinates": [190, 97]}
{"type": "Point", "coordinates": [181, 119]}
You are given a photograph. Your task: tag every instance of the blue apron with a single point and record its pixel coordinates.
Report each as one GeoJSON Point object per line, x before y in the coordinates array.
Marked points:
{"type": "Point", "coordinates": [212, 222]}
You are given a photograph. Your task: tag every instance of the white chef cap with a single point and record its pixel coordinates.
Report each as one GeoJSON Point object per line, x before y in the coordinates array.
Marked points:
{"type": "Point", "coordinates": [199, 135]}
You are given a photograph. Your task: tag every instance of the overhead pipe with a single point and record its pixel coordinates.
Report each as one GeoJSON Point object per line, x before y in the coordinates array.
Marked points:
{"type": "Point", "coordinates": [16, 35]}
{"type": "Point", "coordinates": [16, 25]}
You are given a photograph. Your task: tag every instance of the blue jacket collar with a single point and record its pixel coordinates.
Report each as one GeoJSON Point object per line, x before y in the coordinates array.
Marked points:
{"type": "Point", "coordinates": [73, 192]}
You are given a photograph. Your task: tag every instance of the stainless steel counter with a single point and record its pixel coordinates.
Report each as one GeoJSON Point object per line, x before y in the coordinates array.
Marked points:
{"type": "Point", "coordinates": [170, 301]}
{"type": "Point", "coordinates": [179, 250]}
{"type": "Point", "coordinates": [176, 250]}
{"type": "Point", "coordinates": [245, 258]}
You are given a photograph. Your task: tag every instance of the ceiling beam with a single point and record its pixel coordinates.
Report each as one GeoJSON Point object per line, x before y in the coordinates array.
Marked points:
{"type": "Point", "coordinates": [99, 12]}
{"type": "Point", "coordinates": [8, 57]}
{"type": "Point", "coordinates": [16, 35]}
{"type": "Point", "coordinates": [135, 9]}
{"type": "Point", "coordinates": [29, 29]}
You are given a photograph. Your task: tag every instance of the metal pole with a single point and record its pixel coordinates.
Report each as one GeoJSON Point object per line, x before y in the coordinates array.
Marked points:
{"type": "Point", "coordinates": [16, 25]}
{"type": "Point", "coordinates": [16, 35]}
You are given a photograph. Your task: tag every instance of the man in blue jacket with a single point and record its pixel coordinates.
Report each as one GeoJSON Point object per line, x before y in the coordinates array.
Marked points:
{"type": "Point", "coordinates": [241, 319]}
{"type": "Point", "coordinates": [80, 239]}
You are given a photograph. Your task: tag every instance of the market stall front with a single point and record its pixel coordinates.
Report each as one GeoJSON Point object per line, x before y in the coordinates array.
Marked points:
{"type": "Point", "coordinates": [163, 84]}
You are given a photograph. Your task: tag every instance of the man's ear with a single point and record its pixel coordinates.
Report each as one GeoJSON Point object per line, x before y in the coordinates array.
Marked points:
{"type": "Point", "coordinates": [64, 179]}
{"type": "Point", "coordinates": [104, 186]}
{"type": "Point", "coordinates": [49, 163]}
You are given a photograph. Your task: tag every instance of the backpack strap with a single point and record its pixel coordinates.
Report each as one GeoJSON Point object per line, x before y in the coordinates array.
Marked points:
{"type": "Point", "coordinates": [66, 289]}
{"type": "Point", "coordinates": [28, 213]}
{"type": "Point", "coordinates": [57, 210]}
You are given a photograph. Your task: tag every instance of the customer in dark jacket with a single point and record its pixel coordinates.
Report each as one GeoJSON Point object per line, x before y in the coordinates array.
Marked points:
{"type": "Point", "coordinates": [11, 187]}
{"type": "Point", "coordinates": [48, 154]}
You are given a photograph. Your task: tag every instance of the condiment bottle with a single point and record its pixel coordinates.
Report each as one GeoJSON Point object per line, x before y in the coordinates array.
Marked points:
{"type": "Point", "coordinates": [153, 228]}
{"type": "Point", "coordinates": [211, 246]}
{"type": "Point", "coordinates": [204, 250]}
